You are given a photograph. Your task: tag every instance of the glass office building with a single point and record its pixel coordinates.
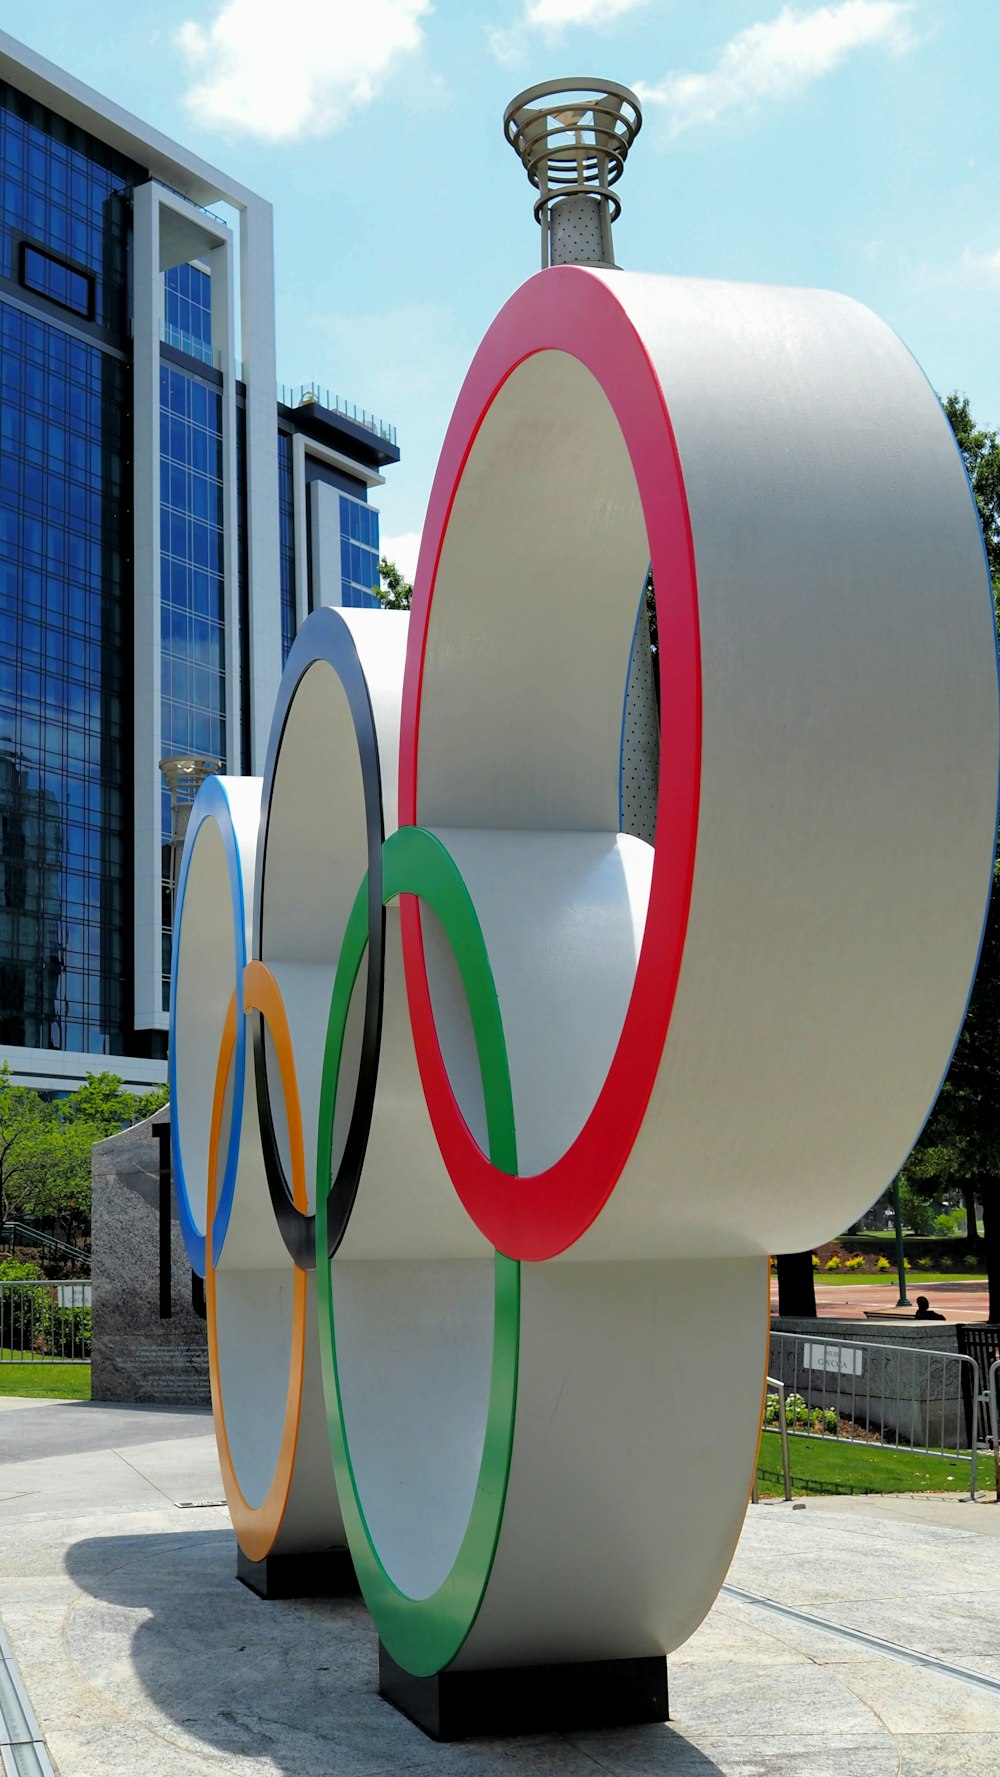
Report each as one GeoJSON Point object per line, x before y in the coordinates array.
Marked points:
{"type": "Point", "coordinates": [165, 525]}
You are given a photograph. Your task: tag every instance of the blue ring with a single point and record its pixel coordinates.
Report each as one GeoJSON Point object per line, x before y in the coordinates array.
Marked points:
{"type": "Point", "coordinates": [325, 640]}
{"type": "Point", "coordinates": [211, 803]}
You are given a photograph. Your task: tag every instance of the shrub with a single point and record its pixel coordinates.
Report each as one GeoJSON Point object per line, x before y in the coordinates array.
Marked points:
{"type": "Point", "coordinates": [832, 1263]}
{"type": "Point", "coordinates": [815, 1261]}
{"type": "Point", "coordinates": [20, 1324]}
{"type": "Point", "coordinates": [946, 1262]}
{"type": "Point", "coordinates": [925, 1264]}
{"type": "Point", "coordinates": [882, 1263]}
{"type": "Point", "coordinates": [32, 1319]}
{"type": "Point", "coordinates": [906, 1263]}
{"type": "Point", "coordinates": [67, 1331]}
{"type": "Point", "coordinates": [856, 1262]}
{"type": "Point", "coordinates": [17, 1271]}
{"type": "Point", "coordinates": [970, 1262]}
{"type": "Point", "coordinates": [796, 1411]}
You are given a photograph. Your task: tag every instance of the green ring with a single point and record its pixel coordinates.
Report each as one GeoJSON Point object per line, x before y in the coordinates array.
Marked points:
{"type": "Point", "coordinates": [424, 1634]}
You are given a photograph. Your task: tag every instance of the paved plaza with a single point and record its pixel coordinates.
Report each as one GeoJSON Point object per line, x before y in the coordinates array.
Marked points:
{"type": "Point", "coordinates": [956, 1300]}
{"type": "Point", "coordinates": [140, 1652]}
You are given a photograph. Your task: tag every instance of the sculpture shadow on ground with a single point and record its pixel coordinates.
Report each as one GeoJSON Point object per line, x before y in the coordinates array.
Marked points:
{"type": "Point", "coordinates": [165, 1633]}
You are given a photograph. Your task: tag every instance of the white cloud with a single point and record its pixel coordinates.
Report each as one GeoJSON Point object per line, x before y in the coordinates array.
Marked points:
{"type": "Point", "coordinates": [980, 268]}
{"type": "Point", "coordinates": [403, 550]}
{"type": "Point", "coordinates": [553, 17]}
{"type": "Point", "coordinates": [557, 15]}
{"type": "Point", "coordinates": [296, 69]}
{"type": "Point", "coordinates": [778, 58]}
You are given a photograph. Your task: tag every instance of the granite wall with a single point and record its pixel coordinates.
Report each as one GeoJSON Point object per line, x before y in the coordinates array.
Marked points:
{"type": "Point", "coordinates": [892, 1374]}
{"type": "Point", "coordinates": [136, 1354]}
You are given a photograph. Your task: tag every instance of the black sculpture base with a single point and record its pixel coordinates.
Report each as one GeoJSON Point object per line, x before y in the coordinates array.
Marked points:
{"type": "Point", "coordinates": [322, 1573]}
{"type": "Point", "coordinates": [528, 1699]}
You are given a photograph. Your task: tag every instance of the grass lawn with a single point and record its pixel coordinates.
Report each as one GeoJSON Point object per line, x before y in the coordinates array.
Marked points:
{"type": "Point", "coordinates": [825, 1466]}
{"type": "Point", "coordinates": [913, 1277]}
{"type": "Point", "coordinates": [45, 1382]}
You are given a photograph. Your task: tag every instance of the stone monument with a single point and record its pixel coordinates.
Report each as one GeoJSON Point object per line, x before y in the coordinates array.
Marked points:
{"type": "Point", "coordinates": [140, 1353]}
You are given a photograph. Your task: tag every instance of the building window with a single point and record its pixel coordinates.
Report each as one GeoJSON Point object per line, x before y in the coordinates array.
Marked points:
{"type": "Point", "coordinates": [192, 587]}
{"type": "Point", "coordinates": [65, 193]}
{"type": "Point", "coordinates": [358, 552]}
{"type": "Point", "coordinates": [58, 280]}
{"type": "Point", "coordinates": [187, 311]}
{"type": "Point", "coordinates": [64, 647]}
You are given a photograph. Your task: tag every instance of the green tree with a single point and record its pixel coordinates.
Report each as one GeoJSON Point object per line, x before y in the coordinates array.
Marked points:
{"type": "Point", "coordinates": [148, 1102]}
{"type": "Point", "coordinates": [25, 1119]}
{"type": "Point", "coordinates": [103, 1104]}
{"type": "Point", "coordinates": [45, 1148]}
{"type": "Point", "coordinates": [63, 1189]}
{"type": "Point", "coordinates": [915, 1209]}
{"type": "Point", "coordinates": [980, 450]}
{"type": "Point", "coordinates": [395, 593]}
{"type": "Point", "coordinates": [97, 1109]}
{"type": "Point", "coordinates": [937, 1166]}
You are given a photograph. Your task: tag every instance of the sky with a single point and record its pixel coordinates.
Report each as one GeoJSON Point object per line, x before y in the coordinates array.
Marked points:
{"type": "Point", "coordinates": [849, 145]}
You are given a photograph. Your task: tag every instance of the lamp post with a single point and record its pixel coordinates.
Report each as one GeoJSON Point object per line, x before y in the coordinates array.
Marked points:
{"type": "Point", "coordinates": [904, 1301]}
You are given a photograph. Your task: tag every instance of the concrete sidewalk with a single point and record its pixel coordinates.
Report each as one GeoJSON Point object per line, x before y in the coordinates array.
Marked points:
{"type": "Point", "coordinates": [140, 1652]}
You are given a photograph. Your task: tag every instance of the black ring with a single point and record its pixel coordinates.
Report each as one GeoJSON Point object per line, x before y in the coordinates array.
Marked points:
{"type": "Point", "coordinates": [326, 638]}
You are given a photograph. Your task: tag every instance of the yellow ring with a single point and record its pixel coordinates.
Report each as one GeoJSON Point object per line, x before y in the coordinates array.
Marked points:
{"type": "Point", "coordinates": [257, 1527]}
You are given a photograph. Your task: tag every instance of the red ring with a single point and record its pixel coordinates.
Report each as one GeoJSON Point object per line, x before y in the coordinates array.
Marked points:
{"type": "Point", "coordinates": [569, 309]}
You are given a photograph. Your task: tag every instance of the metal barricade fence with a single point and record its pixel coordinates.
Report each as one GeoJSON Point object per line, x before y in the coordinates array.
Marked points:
{"type": "Point", "coordinates": [44, 1322]}
{"type": "Point", "coordinates": [776, 1387]}
{"type": "Point", "coordinates": [899, 1396]}
{"type": "Point", "coordinates": [993, 1407]}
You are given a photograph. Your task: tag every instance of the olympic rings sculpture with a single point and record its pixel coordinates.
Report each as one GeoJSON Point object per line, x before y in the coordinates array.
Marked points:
{"type": "Point", "coordinates": [487, 1115]}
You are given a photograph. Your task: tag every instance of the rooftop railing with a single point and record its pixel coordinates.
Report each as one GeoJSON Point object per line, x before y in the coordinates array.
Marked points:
{"type": "Point", "coordinates": [305, 394]}
{"type": "Point", "coordinates": [289, 395]}
{"type": "Point", "coordinates": [183, 195]}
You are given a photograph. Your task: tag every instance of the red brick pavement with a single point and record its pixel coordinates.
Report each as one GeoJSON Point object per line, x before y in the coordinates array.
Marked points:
{"type": "Point", "coordinates": [839, 1301]}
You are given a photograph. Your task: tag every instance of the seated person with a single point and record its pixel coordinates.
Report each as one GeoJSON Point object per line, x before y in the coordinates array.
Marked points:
{"type": "Point", "coordinates": [925, 1311]}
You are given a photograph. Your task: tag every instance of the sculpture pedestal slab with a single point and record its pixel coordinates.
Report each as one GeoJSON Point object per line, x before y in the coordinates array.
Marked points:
{"type": "Point", "coordinates": [320, 1573]}
{"type": "Point", "coordinates": [528, 1699]}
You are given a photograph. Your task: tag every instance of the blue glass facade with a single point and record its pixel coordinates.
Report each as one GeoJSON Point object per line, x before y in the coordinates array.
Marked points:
{"type": "Point", "coordinates": [192, 586]}
{"type": "Point", "coordinates": [65, 605]}
{"type": "Point", "coordinates": [63, 614]}
{"type": "Point", "coordinates": [358, 552]}
{"type": "Point", "coordinates": [64, 191]}
{"type": "Point", "coordinates": [78, 962]}
{"type": "Point", "coordinates": [187, 311]}
{"type": "Point", "coordinates": [286, 543]}
{"type": "Point", "coordinates": [63, 284]}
